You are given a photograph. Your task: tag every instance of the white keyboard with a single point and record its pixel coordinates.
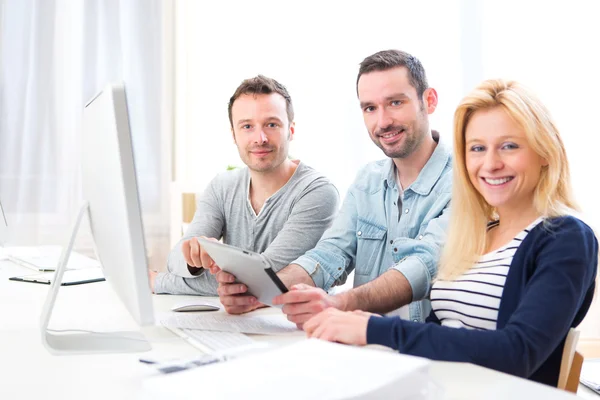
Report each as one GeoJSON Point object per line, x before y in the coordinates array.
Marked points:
{"type": "Point", "coordinates": [213, 341]}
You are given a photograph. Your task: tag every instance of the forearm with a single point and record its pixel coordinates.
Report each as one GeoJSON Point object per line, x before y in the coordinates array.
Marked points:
{"type": "Point", "coordinates": [384, 294]}
{"type": "Point", "coordinates": [294, 274]}
{"type": "Point", "coordinates": [167, 283]}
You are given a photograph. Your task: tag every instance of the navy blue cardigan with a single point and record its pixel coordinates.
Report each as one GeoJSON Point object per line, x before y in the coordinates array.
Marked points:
{"type": "Point", "coordinates": [548, 289]}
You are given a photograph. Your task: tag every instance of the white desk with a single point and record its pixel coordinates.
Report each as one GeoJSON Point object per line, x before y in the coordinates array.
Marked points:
{"type": "Point", "coordinates": [28, 371]}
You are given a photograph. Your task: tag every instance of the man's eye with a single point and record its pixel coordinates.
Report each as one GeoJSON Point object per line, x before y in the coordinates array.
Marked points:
{"type": "Point", "coordinates": [272, 125]}
{"type": "Point", "coordinates": [247, 126]}
{"type": "Point", "coordinates": [396, 103]}
{"type": "Point", "coordinates": [369, 109]}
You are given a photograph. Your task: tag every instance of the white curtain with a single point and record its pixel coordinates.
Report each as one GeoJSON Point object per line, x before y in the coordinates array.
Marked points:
{"type": "Point", "coordinates": [55, 56]}
{"type": "Point", "coordinates": [314, 49]}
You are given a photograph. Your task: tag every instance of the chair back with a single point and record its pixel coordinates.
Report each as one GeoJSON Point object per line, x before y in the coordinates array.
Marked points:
{"type": "Point", "coordinates": [567, 365]}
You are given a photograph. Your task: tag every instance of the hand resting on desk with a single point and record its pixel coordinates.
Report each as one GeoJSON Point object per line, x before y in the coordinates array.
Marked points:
{"type": "Point", "coordinates": [333, 325]}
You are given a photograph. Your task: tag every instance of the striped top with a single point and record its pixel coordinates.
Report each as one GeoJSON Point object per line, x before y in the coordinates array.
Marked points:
{"type": "Point", "coordinates": [472, 300]}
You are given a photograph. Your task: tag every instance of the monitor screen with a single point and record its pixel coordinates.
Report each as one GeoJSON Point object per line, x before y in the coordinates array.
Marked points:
{"type": "Point", "coordinates": [110, 188]}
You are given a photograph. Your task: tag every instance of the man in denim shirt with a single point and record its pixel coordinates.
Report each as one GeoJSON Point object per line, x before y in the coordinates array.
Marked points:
{"type": "Point", "coordinates": [392, 224]}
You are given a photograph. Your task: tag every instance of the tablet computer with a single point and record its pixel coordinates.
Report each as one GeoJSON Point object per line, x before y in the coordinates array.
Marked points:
{"type": "Point", "coordinates": [248, 267]}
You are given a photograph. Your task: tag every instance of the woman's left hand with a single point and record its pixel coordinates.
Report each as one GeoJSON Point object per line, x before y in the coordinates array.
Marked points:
{"type": "Point", "coordinates": [339, 326]}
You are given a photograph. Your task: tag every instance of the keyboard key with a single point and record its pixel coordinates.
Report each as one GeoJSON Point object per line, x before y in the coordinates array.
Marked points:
{"type": "Point", "coordinates": [217, 341]}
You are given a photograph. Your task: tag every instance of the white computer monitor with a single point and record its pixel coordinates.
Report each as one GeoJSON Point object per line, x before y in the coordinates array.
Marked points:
{"type": "Point", "coordinates": [3, 227]}
{"type": "Point", "coordinates": [113, 208]}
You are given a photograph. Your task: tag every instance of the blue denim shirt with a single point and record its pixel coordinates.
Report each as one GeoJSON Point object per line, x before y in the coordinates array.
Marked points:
{"type": "Point", "coordinates": [370, 237]}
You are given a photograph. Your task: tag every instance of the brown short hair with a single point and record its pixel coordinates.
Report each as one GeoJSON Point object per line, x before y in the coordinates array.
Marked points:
{"type": "Point", "coordinates": [262, 85]}
{"type": "Point", "coordinates": [388, 59]}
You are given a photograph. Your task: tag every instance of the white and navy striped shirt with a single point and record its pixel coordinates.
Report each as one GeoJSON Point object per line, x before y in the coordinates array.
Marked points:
{"type": "Point", "coordinates": [472, 300]}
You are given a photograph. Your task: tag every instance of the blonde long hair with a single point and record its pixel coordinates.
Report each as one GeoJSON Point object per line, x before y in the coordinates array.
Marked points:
{"type": "Point", "coordinates": [470, 212]}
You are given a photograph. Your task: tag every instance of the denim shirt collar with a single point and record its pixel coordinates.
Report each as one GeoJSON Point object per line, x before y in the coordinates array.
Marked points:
{"type": "Point", "coordinates": [430, 173]}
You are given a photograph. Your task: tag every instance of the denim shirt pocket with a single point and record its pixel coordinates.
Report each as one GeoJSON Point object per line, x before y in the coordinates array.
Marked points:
{"type": "Point", "coordinates": [370, 246]}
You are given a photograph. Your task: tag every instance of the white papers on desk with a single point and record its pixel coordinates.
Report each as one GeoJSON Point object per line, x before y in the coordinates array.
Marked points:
{"type": "Point", "coordinates": [590, 374]}
{"type": "Point", "coordinates": [257, 324]}
{"type": "Point", "coordinates": [70, 277]}
{"type": "Point", "coordinates": [46, 258]}
{"type": "Point", "coordinates": [309, 369]}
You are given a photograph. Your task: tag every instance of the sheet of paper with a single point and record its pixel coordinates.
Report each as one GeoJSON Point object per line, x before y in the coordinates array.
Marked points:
{"type": "Point", "coordinates": [590, 373]}
{"type": "Point", "coordinates": [47, 257]}
{"type": "Point", "coordinates": [258, 324]}
{"type": "Point", "coordinates": [309, 369]}
{"type": "Point", "coordinates": [70, 276]}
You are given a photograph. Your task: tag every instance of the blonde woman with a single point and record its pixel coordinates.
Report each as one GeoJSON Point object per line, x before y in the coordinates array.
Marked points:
{"type": "Point", "coordinates": [518, 269]}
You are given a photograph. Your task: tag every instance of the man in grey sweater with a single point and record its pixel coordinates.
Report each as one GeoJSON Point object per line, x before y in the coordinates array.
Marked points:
{"type": "Point", "coordinates": [276, 206]}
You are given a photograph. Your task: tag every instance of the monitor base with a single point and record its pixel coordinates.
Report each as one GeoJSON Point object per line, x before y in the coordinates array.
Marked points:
{"type": "Point", "coordinates": [83, 343]}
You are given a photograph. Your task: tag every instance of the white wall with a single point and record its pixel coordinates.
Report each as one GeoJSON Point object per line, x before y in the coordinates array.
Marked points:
{"type": "Point", "coordinates": [314, 49]}
{"type": "Point", "coordinates": [552, 47]}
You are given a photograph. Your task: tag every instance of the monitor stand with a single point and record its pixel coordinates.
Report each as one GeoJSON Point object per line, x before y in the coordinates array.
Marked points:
{"type": "Point", "coordinates": [83, 343]}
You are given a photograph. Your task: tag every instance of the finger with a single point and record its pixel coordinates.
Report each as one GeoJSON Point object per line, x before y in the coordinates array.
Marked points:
{"type": "Point", "coordinates": [151, 278]}
{"type": "Point", "coordinates": [205, 260]}
{"type": "Point", "coordinates": [301, 286]}
{"type": "Point", "coordinates": [212, 239]}
{"type": "Point", "coordinates": [318, 319]}
{"type": "Point", "coordinates": [311, 307]}
{"type": "Point", "coordinates": [238, 300]}
{"type": "Point", "coordinates": [214, 269]}
{"type": "Point", "coordinates": [225, 277]}
{"type": "Point", "coordinates": [239, 309]}
{"type": "Point", "coordinates": [299, 318]}
{"type": "Point", "coordinates": [310, 326]}
{"type": "Point", "coordinates": [299, 296]}
{"type": "Point", "coordinates": [231, 289]}
{"type": "Point", "coordinates": [195, 252]}
{"type": "Point", "coordinates": [185, 249]}
{"type": "Point", "coordinates": [319, 331]}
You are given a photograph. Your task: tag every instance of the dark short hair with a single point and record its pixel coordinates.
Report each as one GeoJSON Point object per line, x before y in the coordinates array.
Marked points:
{"type": "Point", "coordinates": [388, 59]}
{"type": "Point", "coordinates": [262, 85]}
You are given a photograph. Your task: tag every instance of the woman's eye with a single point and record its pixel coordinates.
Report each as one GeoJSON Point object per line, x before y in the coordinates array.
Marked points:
{"type": "Point", "coordinates": [510, 146]}
{"type": "Point", "coordinates": [477, 148]}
